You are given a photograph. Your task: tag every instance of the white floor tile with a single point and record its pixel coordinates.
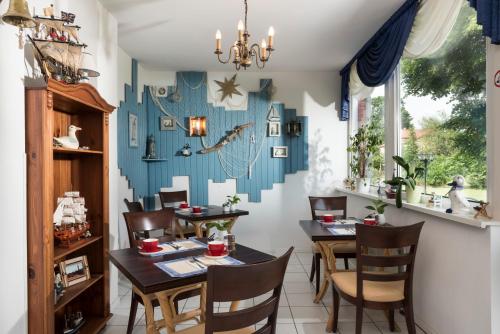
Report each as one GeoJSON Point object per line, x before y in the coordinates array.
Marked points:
{"type": "Point", "coordinates": [384, 327]}
{"type": "Point", "coordinates": [379, 316]}
{"type": "Point", "coordinates": [121, 315]}
{"type": "Point", "coordinates": [318, 328]}
{"type": "Point", "coordinates": [285, 329]}
{"type": "Point", "coordinates": [296, 277]}
{"type": "Point", "coordinates": [295, 268]}
{"type": "Point", "coordinates": [348, 314]}
{"type": "Point", "coordinates": [301, 299]}
{"type": "Point", "coordinates": [309, 314]}
{"type": "Point", "coordinates": [350, 328]}
{"type": "Point", "coordinates": [298, 287]}
{"type": "Point", "coordinates": [123, 329]}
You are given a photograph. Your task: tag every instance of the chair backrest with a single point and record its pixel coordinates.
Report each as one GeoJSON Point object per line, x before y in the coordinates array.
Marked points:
{"type": "Point", "coordinates": [133, 206]}
{"type": "Point", "coordinates": [168, 198]}
{"type": "Point", "coordinates": [233, 283]}
{"type": "Point", "coordinates": [334, 205]}
{"type": "Point", "coordinates": [402, 238]}
{"type": "Point", "coordinates": [147, 221]}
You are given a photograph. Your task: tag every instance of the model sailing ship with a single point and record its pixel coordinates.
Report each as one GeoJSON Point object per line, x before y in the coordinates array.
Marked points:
{"type": "Point", "coordinates": [70, 219]}
{"type": "Point", "coordinates": [59, 51]}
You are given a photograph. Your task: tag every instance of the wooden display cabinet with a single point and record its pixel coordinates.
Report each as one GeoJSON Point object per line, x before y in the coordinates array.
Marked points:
{"type": "Point", "coordinates": [51, 172]}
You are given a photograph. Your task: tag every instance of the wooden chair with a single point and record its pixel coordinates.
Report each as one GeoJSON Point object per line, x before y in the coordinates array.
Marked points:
{"type": "Point", "coordinates": [141, 223]}
{"type": "Point", "coordinates": [375, 289]}
{"type": "Point", "coordinates": [169, 199]}
{"type": "Point", "coordinates": [341, 249]}
{"type": "Point", "coordinates": [133, 206]}
{"type": "Point", "coordinates": [234, 283]}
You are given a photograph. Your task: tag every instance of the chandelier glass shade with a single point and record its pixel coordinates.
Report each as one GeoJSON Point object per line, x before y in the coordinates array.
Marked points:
{"type": "Point", "coordinates": [242, 54]}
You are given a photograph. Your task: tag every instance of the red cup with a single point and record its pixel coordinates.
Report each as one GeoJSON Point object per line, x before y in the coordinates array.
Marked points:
{"type": "Point", "coordinates": [216, 248]}
{"type": "Point", "coordinates": [183, 205]}
{"type": "Point", "coordinates": [196, 209]}
{"type": "Point", "coordinates": [370, 221]}
{"type": "Point", "coordinates": [327, 218]}
{"type": "Point", "coordinates": [149, 245]}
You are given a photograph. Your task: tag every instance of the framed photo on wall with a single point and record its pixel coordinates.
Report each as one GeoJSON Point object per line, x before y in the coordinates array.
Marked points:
{"type": "Point", "coordinates": [167, 123]}
{"type": "Point", "coordinates": [74, 271]}
{"type": "Point", "coordinates": [280, 151]}
{"type": "Point", "coordinates": [274, 129]}
{"type": "Point", "coordinates": [133, 131]}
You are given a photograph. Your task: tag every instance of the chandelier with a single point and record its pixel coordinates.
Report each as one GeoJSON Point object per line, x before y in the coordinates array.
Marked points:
{"type": "Point", "coordinates": [241, 54]}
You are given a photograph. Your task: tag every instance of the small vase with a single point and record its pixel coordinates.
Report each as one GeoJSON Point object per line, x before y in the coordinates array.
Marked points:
{"type": "Point", "coordinates": [380, 218]}
{"type": "Point", "coordinates": [412, 195]}
{"type": "Point", "coordinates": [363, 184]}
{"type": "Point", "coordinates": [221, 235]}
{"type": "Point", "coordinates": [234, 207]}
{"type": "Point", "coordinates": [226, 208]}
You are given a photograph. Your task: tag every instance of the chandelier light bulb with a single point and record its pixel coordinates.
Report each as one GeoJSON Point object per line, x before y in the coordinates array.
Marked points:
{"type": "Point", "coordinates": [218, 44]}
{"type": "Point", "coordinates": [241, 27]}
{"type": "Point", "coordinates": [271, 31]}
{"type": "Point", "coordinates": [263, 44]}
{"type": "Point", "coordinates": [218, 35]}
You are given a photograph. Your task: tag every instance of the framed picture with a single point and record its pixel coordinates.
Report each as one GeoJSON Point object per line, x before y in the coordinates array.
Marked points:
{"type": "Point", "coordinates": [280, 151]}
{"type": "Point", "coordinates": [167, 123]}
{"type": "Point", "coordinates": [133, 130]}
{"type": "Point", "coordinates": [74, 271]}
{"type": "Point", "coordinates": [273, 129]}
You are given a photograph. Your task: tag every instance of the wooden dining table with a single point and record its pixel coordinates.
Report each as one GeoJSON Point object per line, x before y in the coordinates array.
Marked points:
{"type": "Point", "coordinates": [209, 214]}
{"type": "Point", "coordinates": [150, 282]}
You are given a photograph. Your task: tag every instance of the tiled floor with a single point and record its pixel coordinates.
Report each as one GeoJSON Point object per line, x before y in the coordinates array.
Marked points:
{"type": "Point", "coordinates": [297, 312]}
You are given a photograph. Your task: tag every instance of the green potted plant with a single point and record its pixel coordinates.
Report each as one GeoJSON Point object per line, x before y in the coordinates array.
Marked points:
{"type": "Point", "coordinates": [378, 208]}
{"type": "Point", "coordinates": [409, 181]}
{"type": "Point", "coordinates": [233, 202]}
{"type": "Point", "coordinates": [221, 227]}
{"type": "Point", "coordinates": [364, 143]}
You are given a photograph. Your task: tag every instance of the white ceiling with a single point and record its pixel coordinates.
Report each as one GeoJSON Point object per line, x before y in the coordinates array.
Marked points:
{"type": "Point", "coordinates": [310, 34]}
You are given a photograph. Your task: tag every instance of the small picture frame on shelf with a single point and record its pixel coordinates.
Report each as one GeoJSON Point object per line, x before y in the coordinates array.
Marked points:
{"type": "Point", "coordinates": [74, 271]}
{"type": "Point", "coordinates": [167, 123]}
{"type": "Point", "coordinates": [273, 129]}
{"type": "Point", "coordinates": [133, 140]}
{"type": "Point", "coordinates": [280, 152]}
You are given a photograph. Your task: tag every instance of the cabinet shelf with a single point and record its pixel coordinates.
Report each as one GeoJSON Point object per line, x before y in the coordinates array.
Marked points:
{"type": "Point", "coordinates": [74, 291]}
{"type": "Point", "coordinates": [61, 252]}
{"type": "Point", "coordinates": [62, 150]}
{"type": "Point", "coordinates": [94, 325]}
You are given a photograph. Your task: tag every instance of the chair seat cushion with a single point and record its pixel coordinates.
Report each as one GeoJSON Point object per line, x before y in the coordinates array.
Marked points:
{"type": "Point", "coordinates": [348, 246]}
{"type": "Point", "coordinates": [200, 329]}
{"type": "Point", "coordinates": [372, 291]}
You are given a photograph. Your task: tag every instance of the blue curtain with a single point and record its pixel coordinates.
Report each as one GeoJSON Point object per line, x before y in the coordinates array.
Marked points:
{"type": "Point", "coordinates": [378, 58]}
{"type": "Point", "coordinates": [488, 15]}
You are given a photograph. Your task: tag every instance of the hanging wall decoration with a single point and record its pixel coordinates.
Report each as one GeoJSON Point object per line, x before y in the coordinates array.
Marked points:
{"type": "Point", "coordinates": [233, 134]}
{"type": "Point", "coordinates": [294, 128]}
{"type": "Point", "coordinates": [280, 151]}
{"type": "Point", "coordinates": [274, 129]}
{"type": "Point", "coordinates": [132, 130]}
{"type": "Point", "coordinates": [228, 88]}
{"type": "Point", "coordinates": [197, 126]}
{"type": "Point", "coordinates": [167, 123]}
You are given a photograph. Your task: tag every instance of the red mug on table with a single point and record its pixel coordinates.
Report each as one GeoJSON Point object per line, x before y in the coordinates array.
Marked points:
{"type": "Point", "coordinates": [370, 221]}
{"type": "Point", "coordinates": [328, 218]}
{"type": "Point", "coordinates": [216, 247]}
{"type": "Point", "coordinates": [183, 205]}
{"type": "Point", "coordinates": [149, 245]}
{"type": "Point", "coordinates": [196, 209]}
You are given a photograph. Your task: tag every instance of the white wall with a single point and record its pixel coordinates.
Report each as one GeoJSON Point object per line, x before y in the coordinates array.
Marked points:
{"type": "Point", "coordinates": [99, 31]}
{"type": "Point", "coordinates": [313, 94]}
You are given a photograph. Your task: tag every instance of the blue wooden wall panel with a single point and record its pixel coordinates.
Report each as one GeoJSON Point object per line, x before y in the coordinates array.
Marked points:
{"type": "Point", "coordinates": [148, 178]}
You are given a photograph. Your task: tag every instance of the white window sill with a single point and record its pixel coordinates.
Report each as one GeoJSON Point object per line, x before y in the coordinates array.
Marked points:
{"type": "Point", "coordinates": [437, 212]}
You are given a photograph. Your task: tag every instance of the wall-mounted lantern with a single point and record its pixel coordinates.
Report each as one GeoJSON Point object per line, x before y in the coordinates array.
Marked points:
{"type": "Point", "coordinates": [294, 128]}
{"type": "Point", "coordinates": [197, 126]}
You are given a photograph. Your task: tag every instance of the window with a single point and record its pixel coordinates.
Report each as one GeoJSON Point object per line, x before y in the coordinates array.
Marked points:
{"type": "Point", "coordinates": [369, 112]}
{"type": "Point", "coordinates": [443, 110]}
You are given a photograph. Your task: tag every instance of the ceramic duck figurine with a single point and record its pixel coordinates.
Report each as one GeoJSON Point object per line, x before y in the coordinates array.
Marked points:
{"type": "Point", "coordinates": [69, 141]}
{"type": "Point", "coordinates": [457, 198]}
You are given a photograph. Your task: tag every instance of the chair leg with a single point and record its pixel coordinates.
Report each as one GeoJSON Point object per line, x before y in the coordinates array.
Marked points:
{"type": "Point", "coordinates": [317, 258]}
{"type": "Point", "coordinates": [346, 263]}
{"type": "Point", "coordinates": [359, 319]}
{"type": "Point", "coordinates": [133, 313]}
{"type": "Point", "coordinates": [313, 269]}
{"type": "Point", "coordinates": [392, 324]}
{"type": "Point", "coordinates": [336, 305]}
{"type": "Point", "coordinates": [410, 320]}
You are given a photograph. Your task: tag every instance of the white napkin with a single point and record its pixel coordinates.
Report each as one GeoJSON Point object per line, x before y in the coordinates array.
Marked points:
{"type": "Point", "coordinates": [187, 244]}
{"type": "Point", "coordinates": [211, 262]}
{"type": "Point", "coordinates": [342, 231]}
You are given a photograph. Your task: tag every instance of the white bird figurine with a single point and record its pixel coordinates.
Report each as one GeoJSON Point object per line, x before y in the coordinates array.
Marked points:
{"type": "Point", "coordinates": [459, 204]}
{"type": "Point", "coordinates": [69, 141]}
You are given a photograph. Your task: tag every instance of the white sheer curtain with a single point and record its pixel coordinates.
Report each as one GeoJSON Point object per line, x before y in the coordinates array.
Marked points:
{"type": "Point", "coordinates": [432, 25]}
{"type": "Point", "coordinates": [356, 86]}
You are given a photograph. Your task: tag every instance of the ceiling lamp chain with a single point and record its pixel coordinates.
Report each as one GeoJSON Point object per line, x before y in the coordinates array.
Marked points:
{"type": "Point", "coordinates": [241, 54]}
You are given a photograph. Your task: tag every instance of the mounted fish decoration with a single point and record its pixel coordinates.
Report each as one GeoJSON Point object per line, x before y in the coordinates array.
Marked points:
{"type": "Point", "coordinates": [69, 141]}
{"type": "Point", "coordinates": [232, 135]}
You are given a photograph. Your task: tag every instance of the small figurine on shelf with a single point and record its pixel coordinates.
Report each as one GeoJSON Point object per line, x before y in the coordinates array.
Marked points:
{"type": "Point", "coordinates": [73, 322]}
{"type": "Point", "coordinates": [481, 210]}
{"type": "Point", "coordinates": [69, 141]}
{"type": "Point", "coordinates": [58, 287]}
{"type": "Point", "coordinates": [459, 204]}
{"type": "Point", "coordinates": [150, 147]}
{"type": "Point", "coordinates": [70, 219]}
{"type": "Point", "coordinates": [349, 183]}
{"type": "Point", "coordinates": [186, 151]}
